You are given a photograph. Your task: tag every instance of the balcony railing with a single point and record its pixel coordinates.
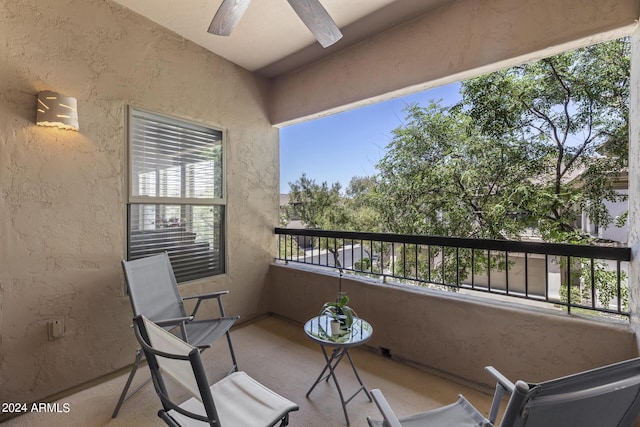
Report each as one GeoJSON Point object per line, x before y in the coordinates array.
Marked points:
{"type": "Point", "coordinates": [578, 278]}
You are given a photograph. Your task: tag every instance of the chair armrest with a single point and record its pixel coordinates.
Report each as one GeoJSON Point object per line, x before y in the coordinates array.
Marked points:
{"type": "Point", "coordinates": [200, 298]}
{"type": "Point", "coordinates": [502, 380]}
{"type": "Point", "coordinates": [173, 322]}
{"type": "Point", "coordinates": [503, 385]}
{"type": "Point", "coordinates": [207, 296]}
{"type": "Point", "coordinates": [387, 413]}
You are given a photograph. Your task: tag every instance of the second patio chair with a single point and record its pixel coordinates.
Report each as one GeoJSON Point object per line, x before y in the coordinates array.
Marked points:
{"type": "Point", "coordinates": [604, 397]}
{"type": "Point", "coordinates": [237, 400]}
{"type": "Point", "coordinates": [153, 290]}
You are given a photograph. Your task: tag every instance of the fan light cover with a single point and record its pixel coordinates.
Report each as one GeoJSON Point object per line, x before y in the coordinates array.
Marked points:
{"type": "Point", "coordinates": [57, 110]}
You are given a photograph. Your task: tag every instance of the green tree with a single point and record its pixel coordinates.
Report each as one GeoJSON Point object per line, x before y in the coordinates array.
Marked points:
{"type": "Point", "coordinates": [323, 206]}
{"type": "Point", "coordinates": [363, 216]}
{"type": "Point", "coordinates": [529, 146]}
{"type": "Point", "coordinates": [442, 176]}
{"type": "Point", "coordinates": [572, 110]}
{"type": "Point", "coordinates": [319, 206]}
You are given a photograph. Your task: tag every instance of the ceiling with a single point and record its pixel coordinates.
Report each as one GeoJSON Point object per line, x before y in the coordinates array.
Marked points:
{"type": "Point", "coordinates": [270, 39]}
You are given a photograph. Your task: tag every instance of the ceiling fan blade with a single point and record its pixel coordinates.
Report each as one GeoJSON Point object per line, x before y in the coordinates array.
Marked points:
{"type": "Point", "coordinates": [227, 16]}
{"type": "Point", "coordinates": [317, 20]}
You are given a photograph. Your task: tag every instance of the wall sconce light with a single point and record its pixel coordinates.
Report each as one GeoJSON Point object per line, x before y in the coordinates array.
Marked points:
{"type": "Point", "coordinates": [57, 110]}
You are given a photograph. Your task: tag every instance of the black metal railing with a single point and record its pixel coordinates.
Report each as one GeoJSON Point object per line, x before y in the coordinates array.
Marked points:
{"type": "Point", "coordinates": [575, 277]}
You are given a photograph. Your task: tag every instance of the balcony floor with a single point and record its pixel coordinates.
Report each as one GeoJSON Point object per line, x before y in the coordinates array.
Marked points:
{"type": "Point", "coordinates": [278, 354]}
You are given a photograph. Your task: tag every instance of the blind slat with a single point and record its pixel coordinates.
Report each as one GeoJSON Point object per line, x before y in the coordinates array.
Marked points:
{"type": "Point", "coordinates": [178, 160]}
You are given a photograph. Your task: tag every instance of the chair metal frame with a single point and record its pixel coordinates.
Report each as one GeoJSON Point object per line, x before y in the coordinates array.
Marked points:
{"type": "Point", "coordinates": [171, 314]}
{"type": "Point", "coordinates": [608, 396]}
{"type": "Point", "coordinates": [196, 383]}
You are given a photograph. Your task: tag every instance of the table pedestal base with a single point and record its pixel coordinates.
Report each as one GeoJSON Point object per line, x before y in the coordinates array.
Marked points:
{"type": "Point", "coordinates": [331, 364]}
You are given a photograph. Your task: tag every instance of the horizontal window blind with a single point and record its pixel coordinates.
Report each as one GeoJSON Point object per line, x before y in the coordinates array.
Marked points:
{"type": "Point", "coordinates": [176, 194]}
{"type": "Point", "coordinates": [174, 159]}
{"type": "Point", "coordinates": [193, 238]}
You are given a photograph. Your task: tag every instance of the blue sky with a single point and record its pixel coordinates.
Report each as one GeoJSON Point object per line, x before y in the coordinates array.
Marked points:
{"type": "Point", "coordinates": [341, 146]}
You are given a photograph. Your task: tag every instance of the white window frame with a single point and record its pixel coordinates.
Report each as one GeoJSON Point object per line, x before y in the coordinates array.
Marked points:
{"type": "Point", "coordinates": [187, 203]}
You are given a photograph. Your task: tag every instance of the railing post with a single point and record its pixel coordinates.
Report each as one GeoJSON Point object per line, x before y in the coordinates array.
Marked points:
{"type": "Point", "coordinates": [568, 284]}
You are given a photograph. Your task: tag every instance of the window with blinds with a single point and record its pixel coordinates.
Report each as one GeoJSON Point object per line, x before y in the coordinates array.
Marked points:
{"type": "Point", "coordinates": [176, 194]}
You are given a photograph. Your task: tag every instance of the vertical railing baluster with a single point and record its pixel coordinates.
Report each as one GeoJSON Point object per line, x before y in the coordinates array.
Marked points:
{"type": "Point", "coordinates": [489, 270]}
{"type": "Point", "coordinates": [371, 257]}
{"type": "Point", "coordinates": [619, 274]}
{"type": "Point", "coordinates": [526, 274]}
{"type": "Point", "coordinates": [568, 284]}
{"type": "Point", "coordinates": [327, 253]}
{"type": "Point", "coordinates": [404, 261]}
{"type": "Point", "coordinates": [506, 271]}
{"type": "Point", "coordinates": [353, 256]}
{"type": "Point", "coordinates": [546, 277]}
{"type": "Point", "coordinates": [443, 262]}
{"type": "Point", "coordinates": [593, 284]}
{"type": "Point", "coordinates": [429, 264]}
{"type": "Point", "coordinates": [382, 260]}
{"type": "Point", "coordinates": [417, 275]}
{"type": "Point", "coordinates": [473, 268]}
{"type": "Point", "coordinates": [457, 267]}
{"type": "Point", "coordinates": [392, 259]}
{"type": "Point", "coordinates": [285, 247]}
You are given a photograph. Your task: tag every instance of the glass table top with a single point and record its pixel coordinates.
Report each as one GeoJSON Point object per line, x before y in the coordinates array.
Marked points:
{"type": "Point", "coordinates": [319, 330]}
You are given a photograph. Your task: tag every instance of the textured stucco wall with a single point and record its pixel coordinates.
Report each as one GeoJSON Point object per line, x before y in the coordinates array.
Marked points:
{"type": "Point", "coordinates": [456, 334]}
{"type": "Point", "coordinates": [463, 39]}
{"type": "Point", "coordinates": [63, 194]}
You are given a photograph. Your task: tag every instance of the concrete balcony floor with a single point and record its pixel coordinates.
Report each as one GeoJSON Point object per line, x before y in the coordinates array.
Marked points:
{"type": "Point", "coordinates": [278, 354]}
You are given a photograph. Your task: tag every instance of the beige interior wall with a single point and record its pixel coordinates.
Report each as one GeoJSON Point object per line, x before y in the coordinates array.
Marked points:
{"type": "Point", "coordinates": [63, 194]}
{"type": "Point", "coordinates": [461, 40]}
{"type": "Point", "coordinates": [455, 334]}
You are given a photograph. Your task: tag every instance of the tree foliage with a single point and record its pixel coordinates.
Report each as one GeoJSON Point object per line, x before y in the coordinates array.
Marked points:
{"type": "Point", "coordinates": [572, 111]}
{"type": "Point", "coordinates": [523, 149]}
{"type": "Point", "coordinates": [323, 206]}
{"type": "Point", "coordinates": [319, 206]}
{"type": "Point", "coordinates": [442, 176]}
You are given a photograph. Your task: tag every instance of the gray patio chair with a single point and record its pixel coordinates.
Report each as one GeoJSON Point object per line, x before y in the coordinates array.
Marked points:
{"type": "Point", "coordinates": [237, 400]}
{"type": "Point", "coordinates": [604, 397]}
{"type": "Point", "coordinates": [153, 291]}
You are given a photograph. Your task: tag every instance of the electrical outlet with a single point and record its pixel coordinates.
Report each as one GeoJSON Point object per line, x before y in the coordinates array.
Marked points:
{"type": "Point", "coordinates": [56, 329]}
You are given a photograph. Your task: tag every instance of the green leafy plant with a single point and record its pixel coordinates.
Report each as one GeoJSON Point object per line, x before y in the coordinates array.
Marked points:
{"type": "Point", "coordinates": [339, 311]}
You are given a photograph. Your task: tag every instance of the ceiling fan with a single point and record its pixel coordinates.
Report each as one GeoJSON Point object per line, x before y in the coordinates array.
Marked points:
{"type": "Point", "coordinates": [311, 12]}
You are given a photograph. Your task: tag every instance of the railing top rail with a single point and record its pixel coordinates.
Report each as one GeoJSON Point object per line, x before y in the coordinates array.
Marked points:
{"type": "Point", "coordinates": [615, 253]}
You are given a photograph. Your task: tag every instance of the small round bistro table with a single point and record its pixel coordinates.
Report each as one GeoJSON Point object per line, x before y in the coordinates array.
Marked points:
{"type": "Point", "coordinates": [318, 330]}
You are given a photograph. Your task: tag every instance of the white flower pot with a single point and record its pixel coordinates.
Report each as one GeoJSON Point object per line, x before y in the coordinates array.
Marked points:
{"type": "Point", "coordinates": [335, 327]}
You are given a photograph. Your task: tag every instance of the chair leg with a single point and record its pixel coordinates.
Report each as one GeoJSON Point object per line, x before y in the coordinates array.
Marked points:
{"type": "Point", "coordinates": [123, 395]}
{"type": "Point", "coordinates": [234, 368]}
{"type": "Point", "coordinates": [285, 421]}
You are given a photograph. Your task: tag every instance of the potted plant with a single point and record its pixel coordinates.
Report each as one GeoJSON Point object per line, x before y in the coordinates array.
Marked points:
{"type": "Point", "coordinates": [339, 312]}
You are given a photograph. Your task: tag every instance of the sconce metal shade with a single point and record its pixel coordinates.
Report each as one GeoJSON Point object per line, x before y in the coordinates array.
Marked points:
{"type": "Point", "coordinates": [57, 110]}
